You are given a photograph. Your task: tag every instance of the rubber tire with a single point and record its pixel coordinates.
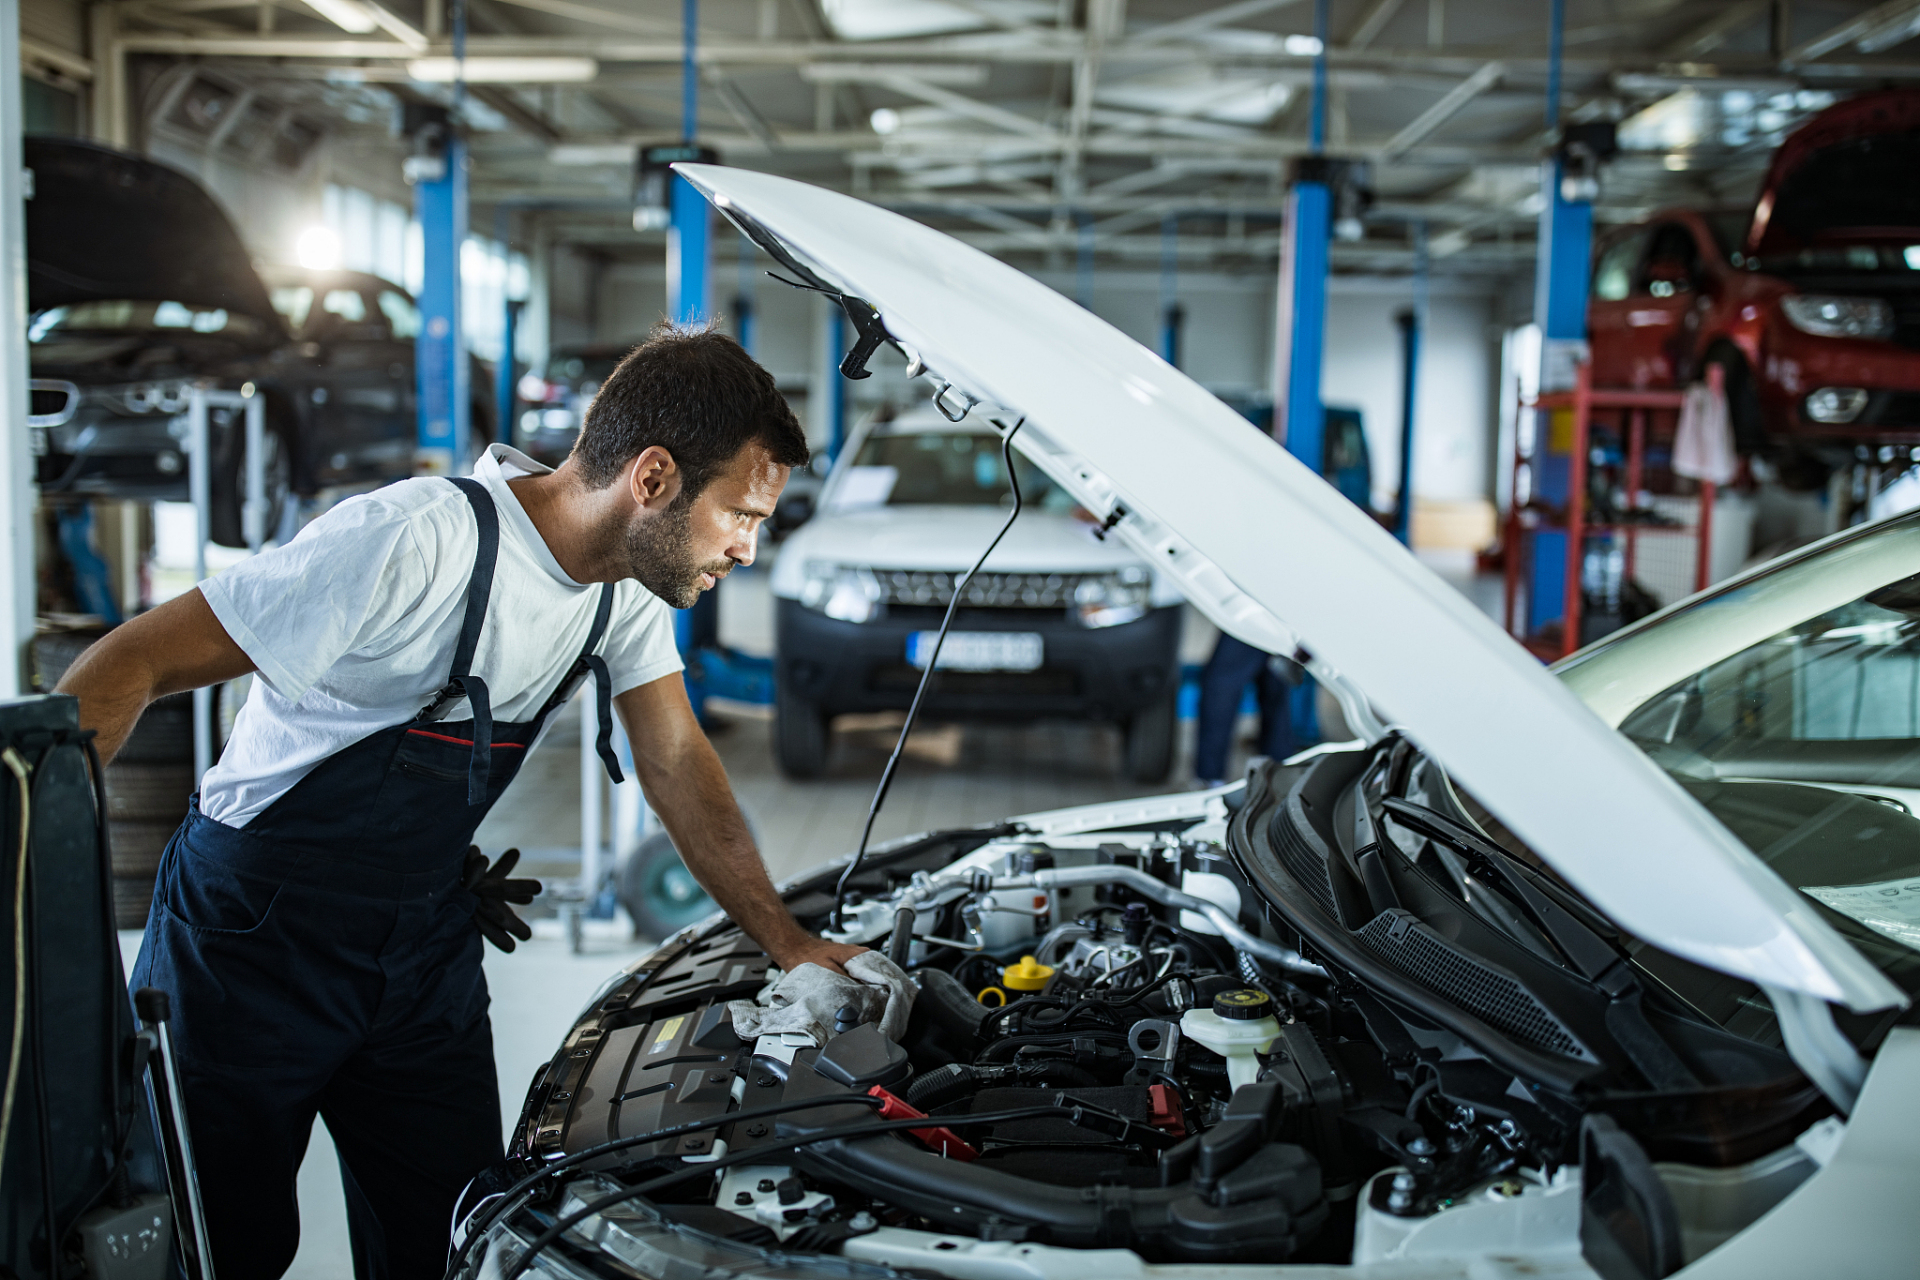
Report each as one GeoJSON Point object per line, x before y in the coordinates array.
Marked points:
{"type": "Point", "coordinates": [1149, 741]}
{"type": "Point", "coordinates": [224, 523]}
{"type": "Point", "coordinates": [658, 891]}
{"type": "Point", "coordinates": [801, 736]}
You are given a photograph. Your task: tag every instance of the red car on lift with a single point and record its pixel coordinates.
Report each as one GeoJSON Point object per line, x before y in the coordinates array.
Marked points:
{"type": "Point", "coordinates": [1810, 301]}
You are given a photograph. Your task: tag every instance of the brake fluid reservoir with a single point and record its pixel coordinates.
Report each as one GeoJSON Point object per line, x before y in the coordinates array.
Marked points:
{"type": "Point", "coordinates": [1214, 888]}
{"type": "Point", "coordinates": [1239, 1027]}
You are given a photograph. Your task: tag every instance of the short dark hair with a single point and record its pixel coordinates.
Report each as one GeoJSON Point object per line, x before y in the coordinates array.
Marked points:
{"type": "Point", "coordinates": [694, 392]}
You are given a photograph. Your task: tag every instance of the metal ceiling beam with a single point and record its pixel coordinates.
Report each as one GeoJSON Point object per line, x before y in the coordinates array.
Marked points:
{"type": "Point", "coordinates": [1848, 32]}
{"type": "Point", "coordinates": [523, 116]}
{"type": "Point", "coordinates": [599, 17]}
{"type": "Point", "coordinates": [1198, 23]}
{"type": "Point", "coordinates": [1377, 18]}
{"type": "Point", "coordinates": [1713, 33]}
{"type": "Point", "coordinates": [961, 104]}
{"type": "Point", "coordinates": [1449, 106]}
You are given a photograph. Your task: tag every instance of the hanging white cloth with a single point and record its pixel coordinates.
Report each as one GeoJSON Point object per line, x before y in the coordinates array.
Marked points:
{"type": "Point", "coordinates": [1703, 444]}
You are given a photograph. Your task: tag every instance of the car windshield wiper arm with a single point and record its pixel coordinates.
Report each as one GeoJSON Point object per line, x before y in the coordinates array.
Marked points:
{"type": "Point", "coordinates": [1586, 950]}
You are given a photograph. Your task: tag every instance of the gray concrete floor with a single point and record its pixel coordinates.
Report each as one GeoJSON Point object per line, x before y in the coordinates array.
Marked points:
{"type": "Point", "coordinates": [950, 775]}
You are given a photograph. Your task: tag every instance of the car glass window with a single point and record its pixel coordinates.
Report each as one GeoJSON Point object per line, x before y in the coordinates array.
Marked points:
{"type": "Point", "coordinates": [117, 315]}
{"type": "Point", "coordinates": [1807, 747]}
{"type": "Point", "coordinates": [1613, 274]}
{"type": "Point", "coordinates": [402, 316]}
{"type": "Point", "coordinates": [1672, 262]}
{"type": "Point", "coordinates": [295, 302]}
{"type": "Point", "coordinates": [950, 468]}
{"type": "Point", "coordinates": [348, 304]}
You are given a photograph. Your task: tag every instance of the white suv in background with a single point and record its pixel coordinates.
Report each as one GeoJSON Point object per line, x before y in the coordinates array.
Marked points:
{"type": "Point", "coordinates": [1059, 623]}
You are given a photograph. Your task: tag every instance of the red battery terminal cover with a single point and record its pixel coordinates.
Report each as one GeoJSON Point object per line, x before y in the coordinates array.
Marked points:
{"type": "Point", "coordinates": [938, 1137]}
{"type": "Point", "coordinates": [1167, 1114]}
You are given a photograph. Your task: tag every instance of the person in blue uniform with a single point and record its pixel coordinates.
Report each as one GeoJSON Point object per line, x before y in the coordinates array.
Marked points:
{"type": "Point", "coordinates": [318, 917]}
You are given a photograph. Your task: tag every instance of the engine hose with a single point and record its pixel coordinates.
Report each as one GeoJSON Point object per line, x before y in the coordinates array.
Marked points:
{"type": "Point", "coordinates": [950, 1004]}
{"type": "Point", "coordinates": [902, 940]}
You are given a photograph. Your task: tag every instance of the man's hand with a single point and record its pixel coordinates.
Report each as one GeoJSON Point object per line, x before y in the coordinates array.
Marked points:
{"type": "Point", "coordinates": [811, 950]}
{"type": "Point", "coordinates": [493, 917]}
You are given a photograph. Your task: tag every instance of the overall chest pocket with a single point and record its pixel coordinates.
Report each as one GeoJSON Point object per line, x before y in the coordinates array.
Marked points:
{"type": "Point", "coordinates": [423, 797]}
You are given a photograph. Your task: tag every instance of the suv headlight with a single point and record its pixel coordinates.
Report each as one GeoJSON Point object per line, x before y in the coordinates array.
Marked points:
{"type": "Point", "coordinates": [846, 593]}
{"type": "Point", "coordinates": [1109, 599]}
{"type": "Point", "coordinates": [1829, 316]}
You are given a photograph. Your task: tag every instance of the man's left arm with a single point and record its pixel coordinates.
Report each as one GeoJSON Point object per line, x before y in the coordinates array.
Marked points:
{"type": "Point", "coordinates": [687, 787]}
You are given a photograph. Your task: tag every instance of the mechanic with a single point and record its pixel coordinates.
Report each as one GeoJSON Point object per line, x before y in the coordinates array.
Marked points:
{"type": "Point", "coordinates": [315, 916]}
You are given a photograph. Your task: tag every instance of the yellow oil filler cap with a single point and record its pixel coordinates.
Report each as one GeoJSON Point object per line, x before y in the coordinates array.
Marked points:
{"type": "Point", "coordinates": [1028, 975]}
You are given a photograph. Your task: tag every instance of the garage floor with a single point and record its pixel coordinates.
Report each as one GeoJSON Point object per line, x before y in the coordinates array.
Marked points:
{"type": "Point", "coordinates": [951, 775]}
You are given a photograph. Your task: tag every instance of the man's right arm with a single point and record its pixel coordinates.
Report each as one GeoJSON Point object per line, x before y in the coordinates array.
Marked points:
{"type": "Point", "coordinates": [178, 646]}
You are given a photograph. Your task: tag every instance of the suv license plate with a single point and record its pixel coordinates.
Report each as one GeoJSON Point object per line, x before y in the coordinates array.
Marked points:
{"type": "Point", "coordinates": [979, 650]}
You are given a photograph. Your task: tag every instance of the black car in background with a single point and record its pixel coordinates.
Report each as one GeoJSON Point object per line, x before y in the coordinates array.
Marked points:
{"type": "Point", "coordinates": [556, 394]}
{"type": "Point", "coordinates": [348, 376]}
{"type": "Point", "coordinates": [138, 288]}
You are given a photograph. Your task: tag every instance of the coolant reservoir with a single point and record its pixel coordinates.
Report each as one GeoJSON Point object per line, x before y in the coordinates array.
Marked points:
{"type": "Point", "coordinates": [1239, 1026]}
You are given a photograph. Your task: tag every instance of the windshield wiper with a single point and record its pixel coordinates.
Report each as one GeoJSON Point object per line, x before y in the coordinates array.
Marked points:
{"type": "Point", "coordinates": [1584, 949]}
{"type": "Point", "coordinates": [1591, 955]}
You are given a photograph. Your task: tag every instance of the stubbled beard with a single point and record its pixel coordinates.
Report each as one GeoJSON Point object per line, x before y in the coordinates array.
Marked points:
{"type": "Point", "coordinates": [660, 554]}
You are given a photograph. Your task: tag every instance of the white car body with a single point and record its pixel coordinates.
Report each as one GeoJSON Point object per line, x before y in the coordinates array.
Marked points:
{"type": "Point", "coordinates": [1272, 554]}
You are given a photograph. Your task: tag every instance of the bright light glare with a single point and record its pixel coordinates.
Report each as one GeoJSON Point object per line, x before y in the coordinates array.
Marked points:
{"type": "Point", "coordinates": [1912, 254]}
{"type": "Point", "coordinates": [504, 70]}
{"type": "Point", "coordinates": [317, 249]}
{"type": "Point", "coordinates": [1303, 46]}
{"type": "Point", "coordinates": [348, 15]}
{"type": "Point", "coordinates": [885, 120]}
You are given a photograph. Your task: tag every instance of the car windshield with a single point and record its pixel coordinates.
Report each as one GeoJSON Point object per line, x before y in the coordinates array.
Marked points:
{"type": "Point", "coordinates": [940, 468]}
{"type": "Point", "coordinates": [1788, 705]}
{"type": "Point", "coordinates": [117, 315]}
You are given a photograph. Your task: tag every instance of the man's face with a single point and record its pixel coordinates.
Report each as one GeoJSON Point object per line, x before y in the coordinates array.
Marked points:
{"type": "Point", "coordinates": [687, 547]}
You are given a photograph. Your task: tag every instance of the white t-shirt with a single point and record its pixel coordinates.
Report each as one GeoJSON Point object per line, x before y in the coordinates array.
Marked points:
{"type": "Point", "coordinates": [353, 625]}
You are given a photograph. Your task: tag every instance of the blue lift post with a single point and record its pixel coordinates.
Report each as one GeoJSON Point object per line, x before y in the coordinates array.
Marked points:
{"type": "Point", "coordinates": [745, 317]}
{"type": "Point", "coordinates": [440, 204]}
{"type": "Point", "coordinates": [1173, 316]}
{"type": "Point", "coordinates": [1413, 325]}
{"type": "Point", "coordinates": [1301, 419]}
{"type": "Point", "coordinates": [689, 242]}
{"type": "Point", "coordinates": [1560, 310]}
{"type": "Point", "coordinates": [835, 351]}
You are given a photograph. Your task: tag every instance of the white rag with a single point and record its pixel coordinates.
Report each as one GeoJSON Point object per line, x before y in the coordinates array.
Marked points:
{"type": "Point", "coordinates": [811, 997]}
{"type": "Point", "coordinates": [1703, 444]}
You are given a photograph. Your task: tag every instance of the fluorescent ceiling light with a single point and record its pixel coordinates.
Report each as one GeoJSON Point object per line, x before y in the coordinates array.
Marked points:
{"type": "Point", "coordinates": [348, 15]}
{"type": "Point", "coordinates": [592, 153]}
{"type": "Point", "coordinates": [898, 19]}
{"type": "Point", "coordinates": [1304, 46]}
{"type": "Point", "coordinates": [963, 73]}
{"type": "Point", "coordinates": [504, 70]}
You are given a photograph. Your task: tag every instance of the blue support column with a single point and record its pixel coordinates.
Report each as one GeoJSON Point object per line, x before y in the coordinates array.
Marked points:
{"type": "Point", "coordinates": [689, 244]}
{"type": "Point", "coordinates": [1560, 309]}
{"type": "Point", "coordinates": [1173, 316]}
{"type": "Point", "coordinates": [1304, 277]}
{"type": "Point", "coordinates": [440, 365]}
{"type": "Point", "coordinates": [503, 379]}
{"type": "Point", "coordinates": [836, 351]}
{"type": "Point", "coordinates": [1413, 326]}
{"type": "Point", "coordinates": [745, 317]}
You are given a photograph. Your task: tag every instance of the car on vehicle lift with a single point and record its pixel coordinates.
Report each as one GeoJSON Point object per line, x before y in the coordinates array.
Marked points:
{"type": "Point", "coordinates": [138, 288]}
{"type": "Point", "coordinates": [1061, 622]}
{"type": "Point", "coordinates": [1602, 972]}
{"type": "Point", "coordinates": [1809, 300]}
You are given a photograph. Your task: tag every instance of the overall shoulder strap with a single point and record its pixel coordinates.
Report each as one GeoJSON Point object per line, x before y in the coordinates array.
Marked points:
{"type": "Point", "coordinates": [479, 591]}
{"type": "Point", "coordinates": [602, 685]}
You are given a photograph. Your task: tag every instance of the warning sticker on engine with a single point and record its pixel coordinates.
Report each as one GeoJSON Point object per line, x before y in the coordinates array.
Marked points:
{"type": "Point", "coordinates": [664, 1037]}
{"type": "Point", "coordinates": [1891, 907]}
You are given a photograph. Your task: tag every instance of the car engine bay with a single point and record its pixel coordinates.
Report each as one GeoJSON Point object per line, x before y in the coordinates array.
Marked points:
{"type": "Point", "coordinates": [1222, 1028]}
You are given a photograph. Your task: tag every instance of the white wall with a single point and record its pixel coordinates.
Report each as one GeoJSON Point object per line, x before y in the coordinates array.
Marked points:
{"type": "Point", "coordinates": [1453, 418]}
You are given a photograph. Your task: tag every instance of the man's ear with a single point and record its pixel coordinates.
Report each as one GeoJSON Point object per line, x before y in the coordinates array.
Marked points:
{"type": "Point", "coordinates": [653, 479]}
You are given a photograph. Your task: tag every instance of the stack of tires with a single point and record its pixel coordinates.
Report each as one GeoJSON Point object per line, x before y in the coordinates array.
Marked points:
{"type": "Point", "coordinates": [148, 783]}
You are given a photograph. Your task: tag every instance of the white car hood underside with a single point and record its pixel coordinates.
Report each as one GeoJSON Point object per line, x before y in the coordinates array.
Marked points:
{"type": "Point", "coordinates": [1273, 554]}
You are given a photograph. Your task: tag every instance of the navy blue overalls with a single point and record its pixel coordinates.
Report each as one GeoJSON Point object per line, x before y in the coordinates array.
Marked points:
{"type": "Point", "coordinates": [323, 959]}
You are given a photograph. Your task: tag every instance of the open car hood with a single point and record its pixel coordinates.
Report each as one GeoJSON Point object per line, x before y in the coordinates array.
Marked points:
{"type": "Point", "coordinates": [1273, 554]}
{"type": "Point", "coordinates": [105, 225]}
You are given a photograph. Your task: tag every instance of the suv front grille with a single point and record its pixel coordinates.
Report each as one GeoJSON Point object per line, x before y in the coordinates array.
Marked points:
{"type": "Point", "coordinates": [990, 590]}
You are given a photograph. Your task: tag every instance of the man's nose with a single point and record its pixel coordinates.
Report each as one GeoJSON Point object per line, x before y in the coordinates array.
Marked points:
{"type": "Point", "coordinates": [741, 552]}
